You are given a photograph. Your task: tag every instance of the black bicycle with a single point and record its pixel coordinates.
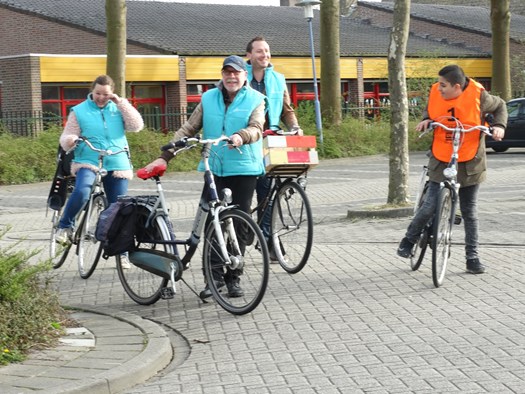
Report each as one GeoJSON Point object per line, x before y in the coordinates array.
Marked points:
{"type": "Point", "coordinates": [233, 243]}
{"type": "Point", "coordinates": [438, 232]}
{"type": "Point", "coordinates": [291, 225]}
{"type": "Point", "coordinates": [88, 248]}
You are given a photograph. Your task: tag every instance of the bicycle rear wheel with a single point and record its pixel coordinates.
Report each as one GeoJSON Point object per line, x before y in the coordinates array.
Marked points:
{"type": "Point", "coordinates": [292, 227]}
{"type": "Point", "coordinates": [418, 253]}
{"type": "Point", "coordinates": [441, 241]}
{"type": "Point", "coordinates": [89, 248]}
{"type": "Point", "coordinates": [142, 286]}
{"type": "Point", "coordinates": [253, 262]}
{"type": "Point", "coordinates": [57, 253]}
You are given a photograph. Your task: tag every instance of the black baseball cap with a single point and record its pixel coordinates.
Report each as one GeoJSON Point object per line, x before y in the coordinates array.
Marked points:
{"type": "Point", "coordinates": [236, 62]}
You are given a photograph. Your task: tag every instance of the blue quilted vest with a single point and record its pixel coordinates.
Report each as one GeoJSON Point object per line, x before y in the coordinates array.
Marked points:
{"type": "Point", "coordinates": [274, 85]}
{"type": "Point", "coordinates": [218, 121]}
{"type": "Point", "coordinates": [104, 128]}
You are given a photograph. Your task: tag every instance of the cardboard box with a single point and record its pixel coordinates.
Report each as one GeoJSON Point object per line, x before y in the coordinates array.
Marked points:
{"type": "Point", "coordinates": [283, 161]}
{"type": "Point", "coordinates": [294, 142]}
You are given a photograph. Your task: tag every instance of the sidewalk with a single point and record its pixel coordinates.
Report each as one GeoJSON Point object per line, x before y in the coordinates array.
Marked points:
{"type": "Point", "coordinates": [356, 319]}
{"type": "Point", "coordinates": [110, 352]}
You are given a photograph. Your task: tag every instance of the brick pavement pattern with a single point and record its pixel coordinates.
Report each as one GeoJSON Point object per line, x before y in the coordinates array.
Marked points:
{"type": "Point", "coordinates": [356, 319]}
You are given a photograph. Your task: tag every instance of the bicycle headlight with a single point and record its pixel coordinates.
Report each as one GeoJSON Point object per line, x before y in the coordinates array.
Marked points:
{"type": "Point", "coordinates": [450, 172]}
{"type": "Point", "coordinates": [302, 182]}
{"type": "Point", "coordinates": [227, 195]}
{"type": "Point", "coordinates": [103, 172]}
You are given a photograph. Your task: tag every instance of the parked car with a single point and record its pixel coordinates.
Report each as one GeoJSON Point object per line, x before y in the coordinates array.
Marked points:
{"type": "Point", "coordinates": [515, 132]}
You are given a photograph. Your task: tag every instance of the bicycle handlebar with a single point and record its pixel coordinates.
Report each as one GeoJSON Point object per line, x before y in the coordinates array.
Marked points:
{"type": "Point", "coordinates": [433, 124]}
{"type": "Point", "coordinates": [279, 132]}
{"type": "Point", "coordinates": [185, 142]}
{"type": "Point", "coordinates": [103, 152]}
{"type": "Point", "coordinates": [460, 128]}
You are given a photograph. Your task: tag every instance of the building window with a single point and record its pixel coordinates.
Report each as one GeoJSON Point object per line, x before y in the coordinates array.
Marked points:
{"type": "Point", "coordinates": [151, 103]}
{"type": "Point", "coordinates": [195, 91]}
{"type": "Point", "coordinates": [150, 100]}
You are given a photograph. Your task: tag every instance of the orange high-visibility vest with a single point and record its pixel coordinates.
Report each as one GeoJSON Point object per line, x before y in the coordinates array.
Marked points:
{"type": "Point", "coordinates": [467, 109]}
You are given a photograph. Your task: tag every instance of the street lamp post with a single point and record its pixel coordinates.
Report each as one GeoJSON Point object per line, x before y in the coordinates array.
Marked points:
{"type": "Point", "coordinates": [309, 15]}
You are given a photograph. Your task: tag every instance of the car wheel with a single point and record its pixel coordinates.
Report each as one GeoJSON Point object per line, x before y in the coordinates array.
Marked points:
{"type": "Point", "coordinates": [500, 150]}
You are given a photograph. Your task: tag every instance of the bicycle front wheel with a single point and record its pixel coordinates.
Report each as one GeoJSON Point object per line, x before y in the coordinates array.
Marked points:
{"type": "Point", "coordinates": [142, 286]}
{"type": "Point", "coordinates": [238, 287]}
{"type": "Point", "coordinates": [292, 227]}
{"type": "Point", "coordinates": [57, 253]}
{"type": "Point", "coordinates": [89, 248]}
{"type": "Point", "coordinates": [441, 236]}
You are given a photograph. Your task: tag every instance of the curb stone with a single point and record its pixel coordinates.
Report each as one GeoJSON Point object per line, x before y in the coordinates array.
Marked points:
{"type": "Point", "coordinates": [371, 213]}
{"type": "Point", "coordinates": [157, 354]}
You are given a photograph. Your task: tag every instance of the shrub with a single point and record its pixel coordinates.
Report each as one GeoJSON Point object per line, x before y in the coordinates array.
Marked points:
{"type": "Point", "coordinates": [31, 314]}
{"type": "Point", "coordinates": [33, 159]}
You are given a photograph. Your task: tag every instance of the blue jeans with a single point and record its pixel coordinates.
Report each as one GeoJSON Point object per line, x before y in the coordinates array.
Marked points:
{"type": "Point", "coordinates": [468, 204]}
{"type": "Point", "coordinates": [85, 178]}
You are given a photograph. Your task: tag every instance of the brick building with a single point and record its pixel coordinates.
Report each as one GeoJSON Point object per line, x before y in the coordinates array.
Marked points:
{"type": "Point", "coordinates": [51, 51]}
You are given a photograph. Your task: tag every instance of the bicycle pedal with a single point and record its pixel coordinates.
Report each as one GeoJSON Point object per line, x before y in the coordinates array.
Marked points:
{"type": "Point", "coordinates": [167, 293]}
{"type": "Point", "coordinates": [457, 219]}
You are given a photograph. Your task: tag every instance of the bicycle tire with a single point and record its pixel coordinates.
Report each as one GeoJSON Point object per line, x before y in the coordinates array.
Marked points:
{"type": "Point", "coordinates": [292, 227]}
{"type": "Point", "coordinates": [57, 253]}
{"type": "Point", "coordinates": [418, 253]}
{"type": "Point", "coordinates": [253, 276]}
{"type": "Point", "coordinates": [142, 286]}
{"type": "Point", "coordinates": [89, 248]}
{"type": "Point", "coordinates": [441, 236]}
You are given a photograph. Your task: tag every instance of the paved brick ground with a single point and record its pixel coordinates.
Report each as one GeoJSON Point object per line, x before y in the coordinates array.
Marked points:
{"type": "Point", "coordinates": [356, 319]}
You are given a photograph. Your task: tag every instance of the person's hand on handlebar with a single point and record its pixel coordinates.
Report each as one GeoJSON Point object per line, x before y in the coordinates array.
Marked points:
{"type": "Point", "coordinates": [423, 125]}
{"type": "Point", "coordinates": [160, 162]}
{"type": "Point", "coordinates": [296, 130]}
{"type": "Point", "coordinates": [498, 133]}
{"type": "Point", "coordinates": [236, 141]}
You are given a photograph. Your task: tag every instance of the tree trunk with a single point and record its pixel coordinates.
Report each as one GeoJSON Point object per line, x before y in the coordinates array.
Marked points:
{"type": "Point", "coordinates": [500, 20]}
{"type": "Point", "coordinates": [116, 44]}
{"type": "Point", "coordinates": [330, 69]}
{"type": "Point", "coordinates": [399, 171]}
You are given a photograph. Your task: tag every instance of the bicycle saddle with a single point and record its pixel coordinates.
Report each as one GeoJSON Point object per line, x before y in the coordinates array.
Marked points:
{"type": "Point", "coordinates": [156, 171]}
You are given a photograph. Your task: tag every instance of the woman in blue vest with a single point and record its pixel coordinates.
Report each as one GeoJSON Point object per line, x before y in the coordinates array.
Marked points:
{"type": "Point", "coordinates": [236, 110]}
{"type": "Point", "coordinates": [103, 118]}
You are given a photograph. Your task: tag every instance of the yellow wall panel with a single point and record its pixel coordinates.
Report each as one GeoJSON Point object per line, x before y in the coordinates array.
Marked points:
{"type": "Point", "coordinates": [203, 68]}
{"type": "Point", "coordinates": [87, 68]}
{"type": "Point", "coordinates": [209, 68]}
{"type": "Point", "coordinates": [429, 68]}
{"type": "Point", "coordinates": [375, 68]}
{"type": "Point", "coordinates": [348, 68]}
{"type": "Point", "coordinates": [166, 68]}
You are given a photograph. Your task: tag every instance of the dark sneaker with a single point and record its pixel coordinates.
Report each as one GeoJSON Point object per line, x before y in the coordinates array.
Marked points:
{"type": "Point", "coordinates": [206, 293]}
{"type": "Point", "coordinates": [234, 289]}
{"type": "Point", "coordinates": [474, 266]}
{"type": "Point", "coordinates": [405, 248]}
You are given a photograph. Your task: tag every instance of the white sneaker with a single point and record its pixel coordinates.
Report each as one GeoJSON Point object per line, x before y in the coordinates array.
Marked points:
{"type": "Point", "coordinates": [63, 235]}
{"type": "Point", "coordinates": [124, 262]}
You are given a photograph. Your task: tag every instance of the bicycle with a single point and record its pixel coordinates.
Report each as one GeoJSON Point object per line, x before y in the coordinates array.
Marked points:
{"type": "Point", "coordinates": [438, 231]}
{"type": "Point", "coordinates": [88, 248]}
{"type": "Point", "coordinates": [156, 262]}
{"type": "Point", "coordinates": [291, 224]}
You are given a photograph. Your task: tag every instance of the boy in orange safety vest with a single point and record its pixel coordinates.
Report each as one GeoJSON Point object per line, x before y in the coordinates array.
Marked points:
{"type": "Point", "coordinates": [465, 99]}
